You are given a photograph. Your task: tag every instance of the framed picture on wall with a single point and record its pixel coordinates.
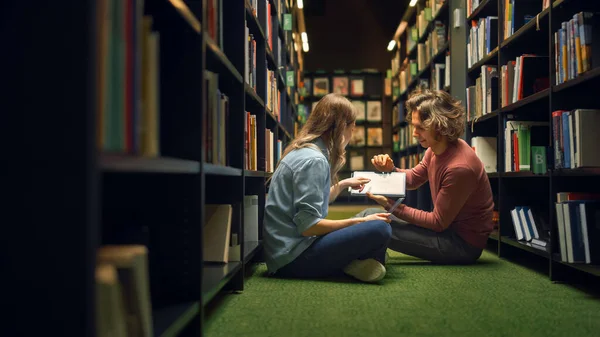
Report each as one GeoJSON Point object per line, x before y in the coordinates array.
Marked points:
{"type": "Point", "coordinates": [374, 111]}
{"type": "Point", "coordinates": [357, 87]}
{"type": "Point", "coordinates": [374, 136]}
{"type": "Point", "coordinates": [340, 85]}
{"type": "Point", "coordinates": [361, 109]}
{"type": "Point", "coordinates": [359, 138]}
{"type": "Point", "coordinates": [320, 86]}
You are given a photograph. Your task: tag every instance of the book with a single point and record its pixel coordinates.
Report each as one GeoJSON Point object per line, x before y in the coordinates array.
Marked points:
{"type": "Point", "coordinates": [386, 184]}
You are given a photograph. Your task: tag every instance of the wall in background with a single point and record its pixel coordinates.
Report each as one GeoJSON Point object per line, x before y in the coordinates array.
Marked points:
{"type": "Point", "coordinates": [350, 34]}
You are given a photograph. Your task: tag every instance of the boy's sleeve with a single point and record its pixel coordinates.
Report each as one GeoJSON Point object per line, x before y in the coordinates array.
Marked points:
{"type": "Point", "coordinates": [456, 187]}
{"type": "Point", "coordinates": [417, 176]}
{"type": "Point", "coordinates": [309, 182]}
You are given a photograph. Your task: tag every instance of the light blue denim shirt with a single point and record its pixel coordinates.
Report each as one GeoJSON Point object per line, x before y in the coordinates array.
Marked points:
{"type": "Point", "coordinates": [298, 198]}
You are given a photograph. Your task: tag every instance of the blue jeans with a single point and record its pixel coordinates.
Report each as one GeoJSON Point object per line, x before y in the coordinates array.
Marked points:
{"type": "Point", "coordinates": [330, 253]}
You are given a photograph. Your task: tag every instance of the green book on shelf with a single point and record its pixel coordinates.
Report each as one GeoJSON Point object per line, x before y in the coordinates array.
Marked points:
{"type": "Point", "coordinates": [524, 144]}
{"type": "Point", "coordinates": [428, 15]}
{"type": "Point", "coordinates": [538, 159]}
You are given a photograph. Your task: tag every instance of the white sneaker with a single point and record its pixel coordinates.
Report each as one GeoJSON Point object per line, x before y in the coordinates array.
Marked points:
{"type": "Point", "coordinates": [368, 270]}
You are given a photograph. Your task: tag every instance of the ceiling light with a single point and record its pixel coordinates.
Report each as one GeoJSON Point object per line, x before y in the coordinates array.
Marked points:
{"type": "Point", "coordinates": [305, 47]}
{"type": "Point", "coordinates": [391, 45]}
{"type": "Point", "coordinates": [411, 4]}
{"type": "Point", "coordinates": [304, 37]}
{"type": "Point", "coordinates": [300, 4]}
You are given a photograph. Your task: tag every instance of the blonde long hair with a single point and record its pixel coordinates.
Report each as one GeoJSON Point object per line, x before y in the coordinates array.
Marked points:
{"type": "Point", "coordinates": [330, 118]}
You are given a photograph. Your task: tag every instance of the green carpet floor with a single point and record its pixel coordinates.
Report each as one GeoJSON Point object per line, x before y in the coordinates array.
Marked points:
{"type": "Point", "coordinates": [492, 298]}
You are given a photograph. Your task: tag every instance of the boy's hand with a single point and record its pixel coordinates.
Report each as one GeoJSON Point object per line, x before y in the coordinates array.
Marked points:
{"type": "Point", "coordinates": [381, 200]}
{"type": "Point", "coordinates": [383, 163]}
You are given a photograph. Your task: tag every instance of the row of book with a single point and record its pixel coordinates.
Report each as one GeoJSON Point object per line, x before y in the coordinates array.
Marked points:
{"type": "Point", "coordinates": [578, 220]}
{"type": "Point", "coordinates": [573, 46]}
{"type": "Point", "coordinates": [529, 227]}
{"type": "Point", "coordinates": [518, 12]}
{"type": "Point", "coordinates": [273, 147]}
{"type": "Point", "coordinates": [128, 91]}
{"type": "Point", "coordinates": [525, 76]}
{"type": "Point", "coordinates": [403, 138]}
{"type": "Point", "coordinates": [482, 97]}
{"type": "Point", "coordinates": [575, 138]}
{"type": "Point", "coordinates": [217, 118]}
{"type": "Point", "coordinates": [123, 305]}
{"type": "Point", "coordinates": [432, 46]}
{"type": "Point", "coordinates": [250, 59]}
{"type": "Point", "coordinates": [482, 39]}
{"type": "Point", "coordinates": [574, 143]}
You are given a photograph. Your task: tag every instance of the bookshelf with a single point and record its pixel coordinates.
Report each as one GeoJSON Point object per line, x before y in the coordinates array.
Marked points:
{"type": "Point", "coordinates": [492, 45]}
{"type": "Point", "coordinates": [366, 89]}
{"type": "Point", "coordinates": [131, 153]}
{"type": "Point", "coordinates": [421, 59]}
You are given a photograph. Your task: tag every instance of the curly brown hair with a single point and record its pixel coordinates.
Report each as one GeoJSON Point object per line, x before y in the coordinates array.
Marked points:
{"type": "Point", "coordinates": [439, 111]}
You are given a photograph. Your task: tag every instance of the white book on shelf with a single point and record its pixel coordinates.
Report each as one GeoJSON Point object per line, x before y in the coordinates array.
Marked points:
{"type": "Point", "coordinates": [386, 184]}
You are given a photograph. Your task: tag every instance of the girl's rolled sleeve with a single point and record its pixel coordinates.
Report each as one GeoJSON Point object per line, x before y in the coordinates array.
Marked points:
{"type": "Point", "coordinates": [309, 182]}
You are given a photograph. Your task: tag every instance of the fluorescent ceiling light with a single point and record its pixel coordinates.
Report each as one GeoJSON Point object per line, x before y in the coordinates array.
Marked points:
{"type": "Point", "coordinates": [411, 4]}
{"type": "Point", "coordinates": [300, 4]}
{"type": "Point", "coordinates": [305, 47]}
{"type": "Point", "coordinates": [391, 45]}
{"type": "Point", "coordinates": [304, 37]}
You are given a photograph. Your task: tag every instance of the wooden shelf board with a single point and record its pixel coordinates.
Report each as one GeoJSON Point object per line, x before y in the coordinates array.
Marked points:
{"type": "Point", "coordinates": [253, 102]}
{"type": "Point", "coordinates": [577, 172]}
{"type": "Point", "coordinates": [588, 268]}
{"type": "Point", "coordinates": [485, 8]}
{"type": "Point", "coordinates": [252, 173]}
{"type": "Point", "coordinates": [588, 75]}
{"type": "Point", "coordinates": [212, 169]}
{"type": "Point", "coordinates": [522, 174]}
{"type": "Point", "coordinates": [250, 249]}
{"type": "Point", "coordinates": [132, 164]}
{"type": "Point", "coordinates": [215, 277]}
{"type": "Point", "coordinates": [170, 321]}
{"type": "Point", "coordinates": [493, 175]}
{"type": "Point", "coordinates": [525, 29]}
{"type": "Point", "coordinates": [484, 118]}
{"type": "Point", "coordinates": [224, 66]}
{"type": "Point", "coordinates": [187, 15]}
{"type": "Point", "coordinates": [494, 236]}
{"type": "Point", "coordinates": [541, 251]}
{"type": "Point", "coordinates": [271, 60]}
{"type": "Point", "coordinates": [253, 25]}
{"type": "Point", "coordinates": [538, 96]}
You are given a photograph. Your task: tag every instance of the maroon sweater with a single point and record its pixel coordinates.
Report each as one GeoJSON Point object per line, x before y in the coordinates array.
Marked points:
{"type": "Point", "coordinates": [460, 191]}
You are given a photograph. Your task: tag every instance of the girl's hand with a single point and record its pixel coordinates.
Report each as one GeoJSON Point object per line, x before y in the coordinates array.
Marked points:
{"type": "Point", "coordinates": [357, 183]}
{"type": "Point", "coordinates": [383, 163]}
{"type": "Point", "coordinates": [378, 216]}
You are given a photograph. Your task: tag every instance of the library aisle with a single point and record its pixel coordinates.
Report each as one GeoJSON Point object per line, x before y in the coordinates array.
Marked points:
{"type": "Point", "coordinates": [141, 135]}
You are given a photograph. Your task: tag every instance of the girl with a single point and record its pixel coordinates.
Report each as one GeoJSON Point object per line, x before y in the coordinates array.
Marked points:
{"type": "Point", "coordinates": [298, 240]}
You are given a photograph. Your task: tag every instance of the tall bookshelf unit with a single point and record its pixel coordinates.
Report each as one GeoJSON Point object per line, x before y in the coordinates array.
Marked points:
{"type": "Point", "coordinates": [365, 88]}
{"type": "Point", "coordinates": [420, 60]}
{"type": "Point", "coordinates": [532, 33]}
{"type": "Point", "coordinates": [538, 102]}
{"type": "Point", "coordinates": [82, 194]}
